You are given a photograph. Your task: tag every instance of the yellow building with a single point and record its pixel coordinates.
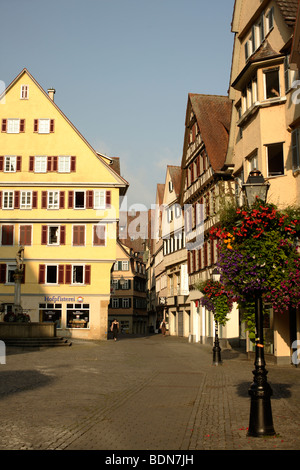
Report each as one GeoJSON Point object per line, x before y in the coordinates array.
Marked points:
{"type": "Point", "coordinates": [59, 199]}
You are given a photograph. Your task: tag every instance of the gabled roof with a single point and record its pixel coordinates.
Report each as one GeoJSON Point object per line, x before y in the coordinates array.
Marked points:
{"type": "Point", "coordinates": [175, 175]}
{"type": "Point", "coordinates": [288, 10]}
{"type": "Point", "coordinates": [213, 114]}
{"type": "Point", "coordinates": [121, 182]}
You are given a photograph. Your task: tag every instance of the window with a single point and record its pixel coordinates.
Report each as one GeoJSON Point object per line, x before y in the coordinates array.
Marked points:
{"type": "Point", "coordinates": [99, 199]}
{"type": "Point", "coordinates": [26, 200]}
{"type": "Point", "coordinates": [8, 200]}
{"type": "Point", "coordinates": [99, 236]}
{"type": "Point", "coordinates": [25, 235]}
{"type": "Point", "coordinates": [7, 235]}
{"type": "Point", "coordinates": [78, 274]}
{"type": "Point", "coordinates": [114, 302]}
{"type": "Point", "coordinates": [78, 235]}
{"type": "Point", "coordinates": [10, 164]}
{"type": "Point", "coordinates": [13, 126]}
{"type": "Point", "coordinates": [10, 271]}
{"type": "Point", "coordinates": [78, 315]}
{"type": "Point", "coordinates": [24, 92]}
{"type": "Point", "coordinates": [296, 149]}
{"type": "Point", "coordinates": [50, 313]}
{"type": "Point", "coordinates": [40, 164]}
{"type": "Point", "coordinates": [126, 303]}
{"type": "Point", "coordinates": [79, 200]}
{"type": "Point", "coordinates": [53, 235]}
{"type": "Point", "coordinates": [253, 164]}
{"type": "Point", "coordinates": [272, 88]}
{"type": "Point", "coordinates": [64, 164]}
{"type": "Point", "coordinates": [53, 200]}
{"type": "Point", "coordinates": [275, 159]}
{"type": "Point", "coordinates": [125, 265]}
{"type": "Point", "coordinates": [270, 20]}
{"type": "Point", "coordinates": [51, 274]}
{"type": "Point", "coordinates": [44, 126]}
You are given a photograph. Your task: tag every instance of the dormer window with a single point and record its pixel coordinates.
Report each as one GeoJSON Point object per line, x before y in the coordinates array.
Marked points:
{"type": "Point", "coordinates": [24, 92]}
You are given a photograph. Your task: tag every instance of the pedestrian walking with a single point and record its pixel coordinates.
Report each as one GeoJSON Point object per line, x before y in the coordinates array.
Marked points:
{"type": "Point", "coordinates": [163, 327]}
{"type": "Point", "coordinates": [115, 329]}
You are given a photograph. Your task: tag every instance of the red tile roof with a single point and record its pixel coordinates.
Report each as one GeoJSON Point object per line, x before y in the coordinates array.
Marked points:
{"type": "Point", "coordinates": [213, 113]}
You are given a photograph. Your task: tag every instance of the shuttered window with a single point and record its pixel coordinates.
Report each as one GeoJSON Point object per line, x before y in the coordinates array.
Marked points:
{"type": "Point", "coordinates": [78, 235]}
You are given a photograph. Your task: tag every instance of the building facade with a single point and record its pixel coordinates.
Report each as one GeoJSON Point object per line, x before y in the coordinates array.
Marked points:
{"type": "Point", "coordinates": [60, 201]}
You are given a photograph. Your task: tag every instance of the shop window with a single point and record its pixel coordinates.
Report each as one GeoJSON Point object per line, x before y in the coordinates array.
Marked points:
{"type": "Point", "coordinates": [50, 313]}
{"type": "Point", "coordinates": [275, 159]}
{"type": "Point", "coordinates": [78, 315]}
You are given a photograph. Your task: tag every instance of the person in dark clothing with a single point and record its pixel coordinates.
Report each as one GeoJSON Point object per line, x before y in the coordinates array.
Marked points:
{"type": "Point", "coordinates": [115, 329]}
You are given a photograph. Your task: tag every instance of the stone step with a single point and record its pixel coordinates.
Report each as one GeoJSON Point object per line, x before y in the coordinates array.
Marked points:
{"type": "Point", "coordinates": [36, 342]}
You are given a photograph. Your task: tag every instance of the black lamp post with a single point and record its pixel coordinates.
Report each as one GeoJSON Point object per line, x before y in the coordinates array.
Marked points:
{"type": "Point", "coordinates": [216, 349]}
{"type": "Point", "coordinates": [261, 421]}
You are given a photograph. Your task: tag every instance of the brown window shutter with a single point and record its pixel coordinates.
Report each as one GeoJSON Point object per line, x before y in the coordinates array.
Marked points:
{"type": "Point", "coordinates": [61, 274]}
{"type": "Point", "coordinates": [25, 235]}
{"type": "Point", "coordinates": [99, 235]}
{"type": "Point", "coordinates": [51, 125]}
{"type": "Point", "coordinates": [35, 125]}
{"type": "Point", "coordinates": [44, 199]}
{"type": "Point", "coordinates": [31, 163]}
{"type": "Point", "coordinates": [0, 199]}
{"type": "Point", "coordinates": [2, 273]}
{"type": "Point", "coordinates": [89, 199]}
{"type": "Point", "coordinates": [70, 199]}
{"type": "Point", "coordinates": [17, 200]}
{"type": "Point", "coordinates": [1, 163]}
{"type": "Point", "coordinates": [87, 277]}
{"type": "Point", "coordinates": [49, 163]}
{"type": "Point", "coordinates": [44, 235]}
{"type": "Point", "coordinates": [73, 163]}
{"type": "Point", "coordinates": [68, 279]}
{"type": "Point", "coordinates": [7, 234]}
{"type": "Point", "coordinates": [19, 163]}
{"type": "Point", "coordinates": [108, 199]}
{"type": "Point", "coordinates": [34, 199]}
{"type": "Point", "coordinates": [55, 163]}
{"type": "Point", "coordinates": [4, 125]}
{"type": "Point", "coordinates": [61, 199]}
{"type": "Point", "coordinates": [63, 235]}
{"type": "Point", "coordinates": [42, 272]}
{"type": "Point", "coordinates": [22, 125]}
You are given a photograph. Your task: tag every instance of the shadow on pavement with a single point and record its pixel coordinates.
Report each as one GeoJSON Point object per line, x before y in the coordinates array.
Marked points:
{"type": "Point", "coordinates": [21, 380]}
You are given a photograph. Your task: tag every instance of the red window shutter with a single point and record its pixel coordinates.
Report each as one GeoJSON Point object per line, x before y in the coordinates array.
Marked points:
{"type": "Point", "coordinates": [0, 199]}
{"type": "Point", "coordinates": [44, 235]}
{"type": "Point", "coordinates": [2, 273]}
{"type": "Point", "coordinates": [44, 199]}
{"type": "Point", "coordinates": [22, 125]}
{"type": "Point", "coordinates": [73, 163]}
{"type": "Point", "coordinates": [78, 235]}
{"type": "Point", "coordinates": [61, 199]}
{"type": "Point", "coordinates": [1, 163]}
{"type": "Point", "coordinates": [25, 235]}
{"type": "Point", "coordinates": [55, 163]}
{"type": "Point", "coordinates": [19, 163]}
{"type": "Point", "coordinates": [99, 235]}
{"type": "Point", "coordinates": [87, 277]}
{"type": "Point", "coordinates": [49, 163]}
{"type": "Point", "coordinates": [17, 200]}
{"type": "Point", "coordinates": [63, 235]}
{"type": "Point", "coordinates": [42, 271]}
{"type": "Point", "coordinates": [7, 234]}
{"type": "Point", "coordinates": [61, 274]}
{"type": "Point", "coordinates": [4, 124]}
{"type": "Point", "coordinates": [34, 199]}
{"type": "Point", "coordinates": [68, 278]}
{"type": "Point", "coordinates": [189, 262]}
{"type": "Point", "coordinates": [89, 199]}
{"type": "Point", "coordinates": [31, 163]}
{"type": "Point", "coordinates": [198, 166]}
{"type": "Point", "coordinates": [70, 199]}
{"type": "Point", "coordinates": [108, 199]}
{"type": "Point", "coordinates": [51, 125]}
{"type": "Point", "coordinates": [35, 125]}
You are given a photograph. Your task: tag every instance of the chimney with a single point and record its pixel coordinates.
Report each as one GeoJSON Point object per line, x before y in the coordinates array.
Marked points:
{"type": "Point", "coordinates": [51, 93]}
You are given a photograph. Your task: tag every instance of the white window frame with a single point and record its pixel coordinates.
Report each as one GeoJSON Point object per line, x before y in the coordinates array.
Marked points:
{"type": "Point", "coordinates": [115, 302]}
{"type": "Point", "coordinates": [46, 275]}
{"type": "Point", "coordinates": [40, 164]}
{"type": "Point", "coordinates": [265, 72]}
{"type": "Point", "coordinates": [83, 275]}
{"type": "Point", "coordinates": [58, 235]}
{"type": "Point", "coordinates": [26, 196]}
{"type": "Point", "coordinates": [53, 204]}
{"type": "Point", "coordinates": [8, 200]}
{"type": "Point", "coordinates": [267, 157]}
{"type": "Point", "coordinates": [24, 93]}
{"type": "Point", "coordinates": [84, 196]}
{"type": "Point", "coordinates": [44, 126]}
{"type": "Point", "coordinates": [99, 199]}
{"type": "Point", "coordinates": [125, 265]}
{"type": "Point", "coordinates": [64, 164]}
{"type": "Point", "coordinates": [126, 302]}
{"type": "Point", "coordinates": [13, 126]}
{"type": "Point", "coordinates": [9, 268]}
{"type": "Point", "coordinates": [11, 162]}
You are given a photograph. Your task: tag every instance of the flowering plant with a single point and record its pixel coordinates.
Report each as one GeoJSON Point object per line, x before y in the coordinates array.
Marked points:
{"type": "Point", "coordinates": [258, 254]}
{"type": "Point", "coordinates": [216, 299]}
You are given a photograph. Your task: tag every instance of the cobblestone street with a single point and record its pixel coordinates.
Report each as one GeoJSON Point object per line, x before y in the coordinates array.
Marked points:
{"type": "Point", "coordinates": [144, 393]}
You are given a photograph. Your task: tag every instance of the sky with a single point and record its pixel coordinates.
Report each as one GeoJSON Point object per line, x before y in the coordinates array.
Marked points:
{"type": "Point", "coordinates": [122, 71]}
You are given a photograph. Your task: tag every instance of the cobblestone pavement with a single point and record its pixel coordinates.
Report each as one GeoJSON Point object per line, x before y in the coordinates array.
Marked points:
{"type": "Point", "coordinates": [145, 393]}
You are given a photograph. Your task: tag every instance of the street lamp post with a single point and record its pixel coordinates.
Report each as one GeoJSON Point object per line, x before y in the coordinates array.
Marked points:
{"type": "Point", "coordinates": [261, 421]}
{"type": "Point", "coordinates": [216, 349]}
